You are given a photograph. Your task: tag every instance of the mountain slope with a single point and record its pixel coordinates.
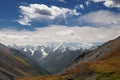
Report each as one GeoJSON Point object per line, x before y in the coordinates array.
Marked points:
{"type": "Point", "coordinates": [55, 56]}
{"type": "Point", "coordinates": [13, 64]}
{"type": "Point", "coordinates": [102, 51]}
{"type": "Point", "coordinates": [100, 64]}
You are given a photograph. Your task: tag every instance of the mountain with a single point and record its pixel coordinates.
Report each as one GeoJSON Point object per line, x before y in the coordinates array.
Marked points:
{"type": "Point", "coordinates": [102, 63]}
{"type": "Point", "coordinates": [13, 64]}
{"type": "Point", "coordinates": [35, 52]}
{"type": "Point", "coordinates": [60, 56]}
{"type": "Point", "coordinates": [55, 56]}
{"type": "Point", "coordinates": [44, 50]}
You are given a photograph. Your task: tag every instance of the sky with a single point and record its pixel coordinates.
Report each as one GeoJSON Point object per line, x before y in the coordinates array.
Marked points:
{"type": "Point", "coordinates": [35, 22]}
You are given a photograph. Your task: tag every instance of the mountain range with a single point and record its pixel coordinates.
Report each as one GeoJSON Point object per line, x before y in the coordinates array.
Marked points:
{"type": "Point", "coordinates": [103, 63]}
{"type": "Point", "coordinates": [62, 61]}
{"type": "Point", "coordinates": [55, 56]}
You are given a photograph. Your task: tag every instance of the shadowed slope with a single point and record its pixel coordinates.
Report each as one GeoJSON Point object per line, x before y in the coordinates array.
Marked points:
{"type": "Point", "coordinates": [13, 64]}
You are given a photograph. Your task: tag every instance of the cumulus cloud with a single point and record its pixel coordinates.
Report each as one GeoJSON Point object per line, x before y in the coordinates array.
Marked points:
{"type": "Point", "coordinates": [55, 33]}
{"type": "Point", "coordinates": [41, 12]}
{"type": "Point", "coordinates": [110, 3]}
{"type": "Point", "coordinates": [101, 18]}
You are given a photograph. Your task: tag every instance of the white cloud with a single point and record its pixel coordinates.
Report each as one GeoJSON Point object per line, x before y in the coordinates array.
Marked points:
{"type": "Point", "coordinates": [98, 0]}
{"type": "Point", "coordinates": [87, 3]}
{"type": "Point", "coordinates": [110, 3]}
{"type": "Point", "coordinates": [56, 33]}
{"type": "Point", "coordinates": [79, 6]}
{"type": "Point", "coordinates": [60, 1]}
{"type": "Point", "coordinates": [101, 18]}
{"type": "Point", "coordinates": [41, 12]}
{"type": "Point", "coordinates": [67, 32]}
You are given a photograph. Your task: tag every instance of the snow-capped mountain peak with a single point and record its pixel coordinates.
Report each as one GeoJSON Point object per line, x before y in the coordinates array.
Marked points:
{"type": "Point", "coordinates": [32, 51]}
{"type": "Point", "coordinates": [85, 45]}
{"type": "Point", "coordinates": [58, 46]}
{"type": "Point", "coordinates": [44, 53]}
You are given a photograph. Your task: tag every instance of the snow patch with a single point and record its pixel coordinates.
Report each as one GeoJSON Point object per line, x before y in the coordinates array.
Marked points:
{"type": "Point", "coordinates": [44, 53]}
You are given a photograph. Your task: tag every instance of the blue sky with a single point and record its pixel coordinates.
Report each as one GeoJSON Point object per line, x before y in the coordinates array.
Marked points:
{"type": "Point", "coordinates": [10, 11]}
{"type": "Point", "coordinates": [28, 17]}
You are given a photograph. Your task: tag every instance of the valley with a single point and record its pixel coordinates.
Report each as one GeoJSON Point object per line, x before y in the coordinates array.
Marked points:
{"type": "Point", "coordinates": [106, 66]}
{"type": "Point", "coordinates": [54, 57]}
{"type": "Point", "coordinates": [59, 39]}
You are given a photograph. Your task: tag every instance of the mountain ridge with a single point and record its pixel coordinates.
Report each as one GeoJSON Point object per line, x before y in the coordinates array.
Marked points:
{"type": "Point", "coordinates": [13, 64]}
{"type": "Point", "coordinates": [54, 57]}
{"type": "Point", "coordinates": [105, 66]}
